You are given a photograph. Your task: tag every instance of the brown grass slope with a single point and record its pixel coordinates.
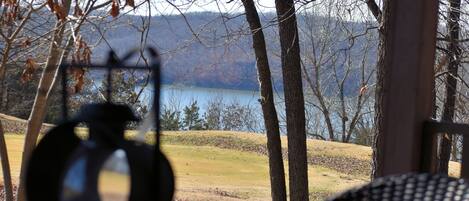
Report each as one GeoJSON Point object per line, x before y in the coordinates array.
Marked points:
{"type": "Point", "coordinates": [15, 125]}
{"type": "Point", "coordinates": [225, 165]}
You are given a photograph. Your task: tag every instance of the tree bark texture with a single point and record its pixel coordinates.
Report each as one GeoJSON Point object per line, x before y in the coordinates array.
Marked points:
{"type": "Point", "coordinates": [274, 146]}
{"type": "Point", "coordinates": [454, 55]}
{"type": "Point", "coordinates": [8, 187]}
{"type": "Point", "coordinates": [38, 111]}
{"type": "Point", "coordinates": [294, 100]}
{"type": "Point", "coordinates": [379, 95]}
{"type": "Point", "coordinates": [374, 8]}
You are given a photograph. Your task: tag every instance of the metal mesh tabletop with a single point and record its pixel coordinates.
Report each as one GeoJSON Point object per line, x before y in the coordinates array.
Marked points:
{"type": "Point", "coordinates": [423, 187]}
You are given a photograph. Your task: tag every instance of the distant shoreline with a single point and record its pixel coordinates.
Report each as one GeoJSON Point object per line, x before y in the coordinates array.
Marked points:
{"type": "Point", "coordinates": [178, 85]}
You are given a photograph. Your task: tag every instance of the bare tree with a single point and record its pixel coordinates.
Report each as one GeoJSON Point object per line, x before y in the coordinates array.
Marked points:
{"type": "Point", "coordinates": [213, 114]}
{"type": "Point", "coordinates": [60, 47]}
{"type": "Point", "coordinates": [379, 97]}
{"type": "Point", "coordinates": [453, 54]}
{"type": "Point", "coordinates": [294, 100]}
{"type": "Point", "coordinates": [381, 17]}
{"type": "Point", "coordinates": [16, 40]}
{"type": "Point", "coordinates": [338, 77]}
{"type": "Point", "coordinates": [274, 146]}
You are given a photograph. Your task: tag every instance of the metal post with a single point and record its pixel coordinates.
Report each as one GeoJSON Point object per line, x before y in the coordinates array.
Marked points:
{"type": "Point", "coordinates": [465, 157]}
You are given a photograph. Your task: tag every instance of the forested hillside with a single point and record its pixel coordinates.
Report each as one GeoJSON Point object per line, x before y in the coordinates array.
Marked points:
{"type": "Point", "coordinates": [214, 50]}
{"type": "Point", "coordinates": [207, 50]}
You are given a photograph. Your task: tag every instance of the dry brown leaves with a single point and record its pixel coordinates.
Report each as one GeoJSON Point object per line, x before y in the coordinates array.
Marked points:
{"type": "Point", "coordinates": [10, 12]}
{"type": "Point", "coordinates": [81, 55]}
{"type": "Point", "coordinates": [78, 12]}
{"type": "Point", "coordinates": [114, 8]}
{"type": "Point", "coordinates": [26, 42]}
{"type": "Point", "coordinates": [78, 75]}
{"type": "Point", "coordinates": [363, 89]}
{"type": "Point", "coordinates": [58, 9]}
{"type": "Point", "coordinates": [11, 3]}
{"type": "Point", "coordinates": [130, 3]}
{"type": "Point", "coordinates": [28, 72]}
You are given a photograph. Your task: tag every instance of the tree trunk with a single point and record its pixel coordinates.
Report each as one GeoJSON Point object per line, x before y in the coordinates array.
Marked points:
{"type": "Point", "coordinates": [3, 73]}
{"type": "Point", "coordinates": [454, 54]}
{"type": "Point", "coordinates": [8, 187]}
{"type": "Point", "coordinates": [38, 111]}
{"type": "Point", "coordinates": [274, 146]}
{"type": "Point", "coordinates": [343, 116]}
{"type": "Point", "coordinates": [330, 128]}
{"type": "Point", "coordinates": [380, 83]}
{"type": "Point", "coordinates": [374, 8]}
{"type": "Point", "coordinates": [294, 100]}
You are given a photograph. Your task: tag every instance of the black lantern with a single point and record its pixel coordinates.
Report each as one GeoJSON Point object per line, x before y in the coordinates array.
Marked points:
{"type": "Point", "coordinates": [65, 167]}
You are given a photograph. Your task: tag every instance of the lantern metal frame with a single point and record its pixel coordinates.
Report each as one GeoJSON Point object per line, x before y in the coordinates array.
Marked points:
{"type": "Point", "coordinates": [56, 147]}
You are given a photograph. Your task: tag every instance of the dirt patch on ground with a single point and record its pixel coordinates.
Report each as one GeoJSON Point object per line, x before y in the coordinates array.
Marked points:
{"type": "Point", "coordinates": [346, 165]}
{"type": "Point", "coordinates": [210, 194]}
{"type": "Point", "coordinates": [317, 196]}
{"type": "Point", "coordinates": [106, 197]}
{"type": "Point", "coordinates": [342, 164]}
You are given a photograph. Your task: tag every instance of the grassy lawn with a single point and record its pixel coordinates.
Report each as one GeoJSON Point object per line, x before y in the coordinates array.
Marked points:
{"type": "Point", "coordinates": [15, 149]}
{"type": "Point", "coordinates": [208, 172]}
{"type": "Point", "coordinates": [209, 169]}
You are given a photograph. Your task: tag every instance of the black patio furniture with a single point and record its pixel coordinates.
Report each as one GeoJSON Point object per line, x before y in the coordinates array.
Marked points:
{"type": "Point", "coordinates": [417, 187]}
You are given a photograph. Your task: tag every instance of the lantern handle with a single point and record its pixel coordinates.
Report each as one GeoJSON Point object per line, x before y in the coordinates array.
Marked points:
{"type": "Point", "coordinates": [113, 62]}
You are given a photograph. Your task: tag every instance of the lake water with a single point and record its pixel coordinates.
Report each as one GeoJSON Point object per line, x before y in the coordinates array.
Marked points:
{"type": "Point", "coordinates": [180, 96]}
{"type": "Point", "coordinates": [203, 95]}
{"type": "Point", "coordinates": [175, 96]}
